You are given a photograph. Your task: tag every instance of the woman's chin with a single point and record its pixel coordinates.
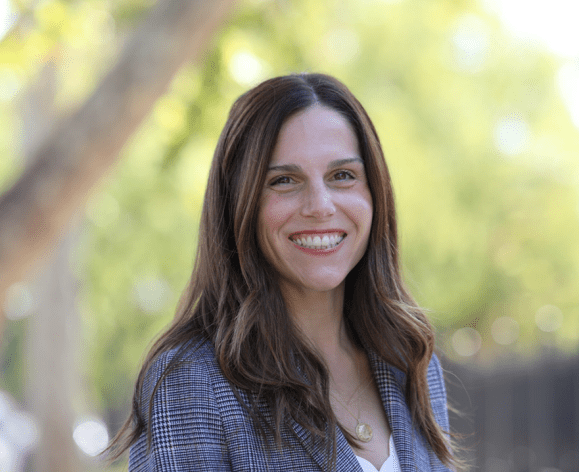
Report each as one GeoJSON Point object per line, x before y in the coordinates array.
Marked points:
{"type": "Point", "coordinates": [313, 285]}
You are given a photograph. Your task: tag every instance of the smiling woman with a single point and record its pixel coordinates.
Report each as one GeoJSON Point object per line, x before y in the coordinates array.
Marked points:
{"type": "Point", "coordinates": [296, 345]}
{"type": "Point", "coordinates": [316, 202]}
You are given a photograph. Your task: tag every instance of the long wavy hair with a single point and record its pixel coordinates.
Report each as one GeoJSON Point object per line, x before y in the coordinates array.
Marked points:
{"type": "Point", "coordinates": [234, 301]}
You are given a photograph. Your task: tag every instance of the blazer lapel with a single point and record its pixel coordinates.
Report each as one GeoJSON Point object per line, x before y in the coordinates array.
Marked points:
{"type": "Point", "coordinates": [346, 460]}
{"type": "Point", "coordinates": [411, 452]}
{"type": "Point", "coordinates": [410, 447]}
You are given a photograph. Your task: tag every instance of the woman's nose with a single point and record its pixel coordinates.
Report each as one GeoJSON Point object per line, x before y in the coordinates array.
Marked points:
{"type": "Point", "coordinates": [318, 201]}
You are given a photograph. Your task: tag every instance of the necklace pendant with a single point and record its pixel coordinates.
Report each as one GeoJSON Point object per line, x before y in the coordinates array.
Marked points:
{"type": "Point", "coordinates": [364, 432]}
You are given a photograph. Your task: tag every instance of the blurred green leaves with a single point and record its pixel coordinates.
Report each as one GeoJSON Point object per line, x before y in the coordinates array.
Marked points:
{"type": "Point", "coordinates": [480, 144]}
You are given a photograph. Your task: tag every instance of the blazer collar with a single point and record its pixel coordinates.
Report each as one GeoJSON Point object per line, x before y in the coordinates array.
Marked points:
{"type": "Point", "coordinates": [412, 453]}
{"type": "Point", "coordinates": [346, 460]}
{"type": "Point", "coordinates": [410, 448]}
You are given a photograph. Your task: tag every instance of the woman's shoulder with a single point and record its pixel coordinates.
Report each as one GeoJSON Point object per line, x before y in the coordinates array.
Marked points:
{"type": "Point", "coordinates": [197, 350]}
{"type": "Point", "coordinates": [195, 353]}
{"type": "Point", "coordinates": [189, 367]}
{"type": "Point", "coordinates": [183, 398]}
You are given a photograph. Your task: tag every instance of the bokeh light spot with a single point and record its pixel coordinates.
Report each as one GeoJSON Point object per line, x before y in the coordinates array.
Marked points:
{"type": "Point", "coordinates": [246, 68]}
{"type": "Point", "coordinates": [511, 135]}
{"type": "Point", "coordinates": [549, 318]}
{"type": "Point", "coordinates": [466, 342]}
{"type": "Point", "coordinates": [21, 429]}
{"type": "Point", "coordinates": [471, 42]}
{"type": "Point", "coordinates": [505, 330]}
{"type": "Point", "coordinates": [91, 436]}
{"type": "Point", "coordinates": [151, 294]}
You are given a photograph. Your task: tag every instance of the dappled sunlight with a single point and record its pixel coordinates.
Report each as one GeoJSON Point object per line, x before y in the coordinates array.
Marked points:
{"type": "Point", "coordinates": [471, 40]}
{"type": "Point", "coordinates": [511, 135]}
{"type": "Point", "coordinates": [246, 68]}
{"type": "Point", "coordinates": [7, 16]}
{"type": "Point", "coordinates": [568, 80]}
{"type": "Point", "coordinates": [477, 108]}
{"type": "Point", "coordinates": [552, 24]}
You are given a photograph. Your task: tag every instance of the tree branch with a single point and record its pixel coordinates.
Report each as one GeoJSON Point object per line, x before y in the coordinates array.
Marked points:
{"type": "Point", "coordinates": [35, 211]}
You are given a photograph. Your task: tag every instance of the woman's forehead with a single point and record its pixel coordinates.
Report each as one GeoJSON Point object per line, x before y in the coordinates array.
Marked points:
{"type": "Point", "coordinates": [314, 132]}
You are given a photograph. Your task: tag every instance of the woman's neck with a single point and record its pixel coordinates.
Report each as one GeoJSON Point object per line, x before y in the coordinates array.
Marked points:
{"type": "Point", "coordinates": [320, 317]}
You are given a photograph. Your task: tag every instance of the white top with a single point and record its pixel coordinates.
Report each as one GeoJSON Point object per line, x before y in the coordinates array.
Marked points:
{"type": "Point", "coordinates": [390, 465]}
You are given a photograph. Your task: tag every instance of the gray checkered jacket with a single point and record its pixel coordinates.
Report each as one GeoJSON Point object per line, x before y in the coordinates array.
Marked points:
{"type": "Point", "coordinates": [198, 424]}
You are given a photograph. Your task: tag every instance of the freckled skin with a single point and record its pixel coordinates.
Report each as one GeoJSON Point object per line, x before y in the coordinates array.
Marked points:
{"type": "Point", "coordinates": [316, 181]}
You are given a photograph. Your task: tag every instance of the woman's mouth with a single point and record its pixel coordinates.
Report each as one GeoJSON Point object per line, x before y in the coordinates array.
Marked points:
{"type": "Point", "coordinates": [317, 241]}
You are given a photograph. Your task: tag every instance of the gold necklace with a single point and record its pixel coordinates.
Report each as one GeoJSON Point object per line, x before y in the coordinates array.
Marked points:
{"type": "Point", "coordinates": [363, 430]}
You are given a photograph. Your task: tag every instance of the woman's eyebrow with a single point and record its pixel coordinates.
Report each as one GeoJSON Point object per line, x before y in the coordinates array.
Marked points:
{"type": "Point", "coordinates": [341, 162]}
{"type": "Point", "coordinates": [285, 168]}
{"type": "Point", "coordinates": [331, 165]}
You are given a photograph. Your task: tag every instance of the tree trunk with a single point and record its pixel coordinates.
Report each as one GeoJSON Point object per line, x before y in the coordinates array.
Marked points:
{"type": "Point", "coordinates": [71, 161]}
{"type": "Point", "coordinates": [52, 331]}
{"type": "Point", "coordinates": [53, 380]}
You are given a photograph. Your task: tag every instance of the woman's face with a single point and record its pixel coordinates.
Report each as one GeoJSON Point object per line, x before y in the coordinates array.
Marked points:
{"type": "Point", "coordinates": [316, 208]}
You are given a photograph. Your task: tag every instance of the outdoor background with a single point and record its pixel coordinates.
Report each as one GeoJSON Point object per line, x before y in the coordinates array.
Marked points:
{"type": "Point", "coordinates": [477, 108]}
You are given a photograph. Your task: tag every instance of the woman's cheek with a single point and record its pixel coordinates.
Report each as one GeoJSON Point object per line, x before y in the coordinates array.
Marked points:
{"type": "Point", "coordinates": [276, 210]}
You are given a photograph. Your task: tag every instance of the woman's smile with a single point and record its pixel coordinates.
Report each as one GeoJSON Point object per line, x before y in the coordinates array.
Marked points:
{"type": "Point", "coordinates": [322, 241]}
{"type": "Point", "coordinates": [316, 202]}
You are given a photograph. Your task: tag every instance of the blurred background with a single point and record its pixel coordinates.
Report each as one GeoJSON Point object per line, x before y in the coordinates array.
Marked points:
{"type": "Point", "coordinates": [477, 107]}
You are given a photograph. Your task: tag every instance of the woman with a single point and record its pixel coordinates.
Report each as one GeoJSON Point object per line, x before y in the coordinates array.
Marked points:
{"type": "Point", "coordinates": [296, 345]}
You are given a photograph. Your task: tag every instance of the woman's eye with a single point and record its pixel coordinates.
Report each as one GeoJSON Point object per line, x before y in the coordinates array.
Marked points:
{"type": "Point", "coordinates": [283, 179]}
{"type": "Point", "coordinates": [343, 175]}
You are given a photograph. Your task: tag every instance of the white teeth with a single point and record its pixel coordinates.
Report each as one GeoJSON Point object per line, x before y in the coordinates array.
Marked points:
{"type": "Point", "coordinates": [319, 242]}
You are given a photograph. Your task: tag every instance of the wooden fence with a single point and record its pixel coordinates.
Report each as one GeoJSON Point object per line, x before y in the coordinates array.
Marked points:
{"type": "Point", "coordinates": [518, 416]}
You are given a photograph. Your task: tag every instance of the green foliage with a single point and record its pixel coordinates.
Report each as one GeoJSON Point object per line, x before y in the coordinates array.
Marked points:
{"type": "Point", "coordinates": [485, 233]}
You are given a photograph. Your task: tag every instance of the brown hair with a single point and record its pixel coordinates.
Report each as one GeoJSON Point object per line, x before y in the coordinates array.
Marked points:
{"type": "Point", "coordinates": [233, 299]}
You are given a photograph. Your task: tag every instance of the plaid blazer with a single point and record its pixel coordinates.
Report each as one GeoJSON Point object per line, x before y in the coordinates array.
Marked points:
{"type": "Point", "coordinates": [198, 424]}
